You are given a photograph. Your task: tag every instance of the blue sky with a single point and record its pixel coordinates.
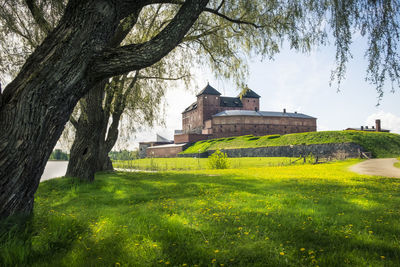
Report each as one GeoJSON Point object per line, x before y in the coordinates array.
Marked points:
{"type": "Point", "coordinates": [297, 82]}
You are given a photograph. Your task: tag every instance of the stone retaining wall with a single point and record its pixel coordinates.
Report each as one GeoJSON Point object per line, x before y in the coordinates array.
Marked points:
{"type": "Point", "coordinates": [333, 150]}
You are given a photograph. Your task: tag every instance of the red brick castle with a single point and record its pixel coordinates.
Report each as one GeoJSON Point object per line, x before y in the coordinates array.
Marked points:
{"type": "Point", "coordinates": [214, 116]}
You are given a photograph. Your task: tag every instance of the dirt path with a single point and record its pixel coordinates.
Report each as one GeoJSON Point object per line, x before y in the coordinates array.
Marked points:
{"type": "Point", "coordinates": [380, 167]}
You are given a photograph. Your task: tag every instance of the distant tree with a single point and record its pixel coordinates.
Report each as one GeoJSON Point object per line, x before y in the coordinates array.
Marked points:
{"type": "Point", "coordinates": [78, 54]}
{"type": "Point", "coordinates": [58, 154]}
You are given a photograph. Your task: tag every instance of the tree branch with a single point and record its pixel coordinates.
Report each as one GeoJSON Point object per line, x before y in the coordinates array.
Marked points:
{"type": "Point", "coordinates": [38, 16]}
{"type": "Point", "coordinates": [163, 78]}
{"type": "Point", "coordinates": [112, 62]}
{"type": "Point", "coordinates": [124, 28]}
{"type": "Point", "coordinates": [213, 11]}
{"type": "Point", "coordinates": [236, 21]}
{"type": "Point", "coordinates": [73, 121]}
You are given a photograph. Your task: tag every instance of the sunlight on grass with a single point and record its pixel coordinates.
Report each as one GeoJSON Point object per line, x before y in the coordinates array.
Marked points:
{"type": "Point", "coordinates": [303, 215]}
{"type": "Point", "coordinates": [397, 164]}
{"type": "Point", "coordinates": [167, 164]}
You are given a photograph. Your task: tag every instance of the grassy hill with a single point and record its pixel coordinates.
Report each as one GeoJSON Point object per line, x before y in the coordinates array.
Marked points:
{"type": "Point", "coordinates": [379, 144]}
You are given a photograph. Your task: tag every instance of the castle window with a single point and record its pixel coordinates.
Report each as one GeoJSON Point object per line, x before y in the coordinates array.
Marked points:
{"type": "Point", "coordinates": [248, 100]}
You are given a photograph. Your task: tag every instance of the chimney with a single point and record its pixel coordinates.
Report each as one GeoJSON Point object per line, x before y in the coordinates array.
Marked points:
{"type": "Point", "coordinates": [295, 112]}
{"type": "Point", "coordinates": [284, 110]}
{"type": "Point", "coordinates": [378, 125]}
{"type": "Point", "coordinates": [362, 128]}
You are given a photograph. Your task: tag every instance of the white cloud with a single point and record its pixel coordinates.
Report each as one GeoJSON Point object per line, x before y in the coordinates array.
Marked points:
{"type": "Point", "coordinates": [388, 121]}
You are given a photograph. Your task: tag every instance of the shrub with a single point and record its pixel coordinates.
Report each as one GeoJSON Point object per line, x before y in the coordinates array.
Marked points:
{"type": "Point", "coordinates": [218, 160]}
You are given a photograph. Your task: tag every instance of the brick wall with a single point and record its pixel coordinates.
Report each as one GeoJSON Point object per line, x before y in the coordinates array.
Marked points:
{"type": "Point", "coordinates": [189, 138]}
{"type": "Point", "coordinates": [163, 152]}
{"type": "Point", "coordinates": [334, 150]}
{"type": "Point", "coordinates": [255, 125]}
{"type": "Point", "coordinates": [251, 104]}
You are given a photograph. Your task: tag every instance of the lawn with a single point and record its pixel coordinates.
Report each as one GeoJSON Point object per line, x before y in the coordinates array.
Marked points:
{"type": "Point", "coordinates": [397, 164]}
{"type": "Point", "coordinates": [303, 215]}
{"type": "Point", "coordinates": [380, 144]}
{"type": "Point", "coordinates": [168, 164]}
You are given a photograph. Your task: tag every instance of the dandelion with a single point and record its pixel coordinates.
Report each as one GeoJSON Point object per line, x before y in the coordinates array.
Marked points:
{"type": "Point", "coordinates": [167, 262]}
{"type": "Point", "coordinates": [216, 251]}
{"type": "Point", "coordinates": [154, 245]}
{"type": "Point", "coordinates": [185, 264]}
{"type": "Point", "coordinates": [302, 249]}
{"type": "Point", "coordinates": [382, 257]}
{"type": "Point", "coordinates": [160, 261]}
{"type": "Point", "coordinates": [246, 233]}
{"type": "Point", "coordinates": [281, 253]}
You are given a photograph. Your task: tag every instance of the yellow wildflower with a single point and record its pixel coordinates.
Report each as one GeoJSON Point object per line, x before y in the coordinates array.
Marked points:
{"type": "Point", "coordinates": [282, 253]}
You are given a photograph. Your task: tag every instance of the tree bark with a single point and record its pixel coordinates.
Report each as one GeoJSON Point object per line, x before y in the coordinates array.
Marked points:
{"type": "Point", "coordinates": [84, 154]}
{"type": "Point", "coordinates": [36, 105]}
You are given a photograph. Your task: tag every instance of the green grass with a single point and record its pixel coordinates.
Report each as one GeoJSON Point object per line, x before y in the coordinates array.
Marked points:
{"type": "Point", "coordinates": [378, 143]}
{"type": "Point", "coordinates": [397, 164]}
{"type": "Point", "coordinates": [304, 215]}
{"type": "Point", "coordinates": [167, 164]}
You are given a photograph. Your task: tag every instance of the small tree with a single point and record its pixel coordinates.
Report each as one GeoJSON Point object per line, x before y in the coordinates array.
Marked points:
{"type": "Point", "coordinates": [218, 160]}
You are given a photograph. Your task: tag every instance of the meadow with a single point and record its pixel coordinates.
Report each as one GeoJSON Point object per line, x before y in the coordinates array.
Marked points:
{"type": "Point", "coordinates": [168, 164]}
{"type": "Point", "coordinates": [298, 215]}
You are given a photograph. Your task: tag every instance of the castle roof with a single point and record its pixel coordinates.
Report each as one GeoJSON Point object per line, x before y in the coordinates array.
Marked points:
{"type": "Point", "coordinates": [248, 93]}
{"type": "Point", "coordinates": [209, 90]}
{"type": "Point", "coordinates": [191, 107]}
{"type": "Point", "coordinates": [261, 113]}
{"type": "Point", "coordinates": [226, 101]}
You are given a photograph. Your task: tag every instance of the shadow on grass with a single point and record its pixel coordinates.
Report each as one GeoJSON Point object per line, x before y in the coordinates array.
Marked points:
{"type": "Point", "coordinates": [185, 219]}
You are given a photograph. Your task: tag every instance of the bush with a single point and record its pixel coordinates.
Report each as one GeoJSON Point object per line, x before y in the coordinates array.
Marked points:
{"type": "Point", "coordinates": [218, 160]}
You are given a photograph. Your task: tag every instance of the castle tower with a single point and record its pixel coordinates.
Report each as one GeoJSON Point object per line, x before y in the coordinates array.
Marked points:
{"type": "Point", "coordinates": [250, 100]}
{"type": "Point", "coordinates": [208, 103]}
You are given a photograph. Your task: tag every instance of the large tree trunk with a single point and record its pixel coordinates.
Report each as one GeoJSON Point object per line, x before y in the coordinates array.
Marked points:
{"type": "Point", "coordinates": [36, 105]}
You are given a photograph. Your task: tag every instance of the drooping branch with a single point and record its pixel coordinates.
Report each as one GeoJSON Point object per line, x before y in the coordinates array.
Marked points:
{"type": "Point", "coordinates": [115, 61]}
{"type": "Point", "coordinates": [38, 16]}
